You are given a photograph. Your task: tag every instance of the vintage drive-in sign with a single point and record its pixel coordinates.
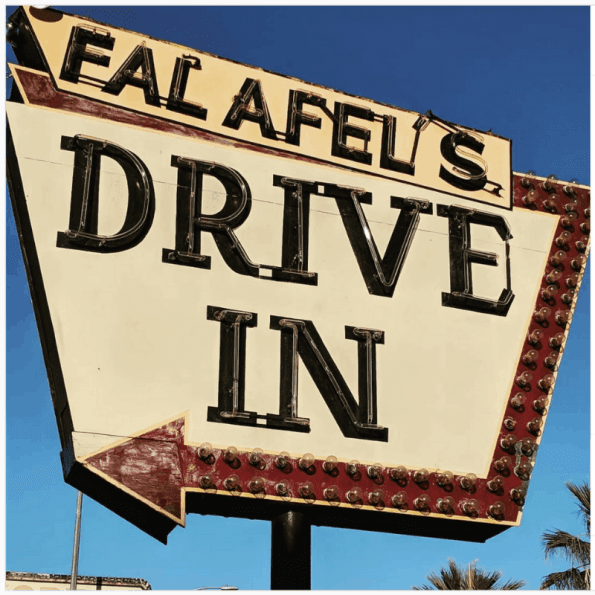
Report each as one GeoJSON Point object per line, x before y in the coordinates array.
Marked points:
{"type": "Point", "coordinates": [255, 292]}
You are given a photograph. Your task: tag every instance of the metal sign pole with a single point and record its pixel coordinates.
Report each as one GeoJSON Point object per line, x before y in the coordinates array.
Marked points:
{"type": "Point", "coordinates": [77, 539]}
{"type": "Point", "coordinates": [291, 551]}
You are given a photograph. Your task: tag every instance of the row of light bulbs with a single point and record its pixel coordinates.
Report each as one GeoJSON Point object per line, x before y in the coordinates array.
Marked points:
{"type": "Point", "coordinates": [354, 496]}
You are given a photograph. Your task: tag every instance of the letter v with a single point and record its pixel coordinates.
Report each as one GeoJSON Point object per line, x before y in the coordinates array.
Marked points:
{"type": "Point", "coordinates": [380, 275]}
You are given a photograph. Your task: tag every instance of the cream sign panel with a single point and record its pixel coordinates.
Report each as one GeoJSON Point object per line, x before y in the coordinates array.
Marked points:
{"type": "Point", "coordinates": [283, 305]}
{"type": "Point", "coordinates": [281, 113]}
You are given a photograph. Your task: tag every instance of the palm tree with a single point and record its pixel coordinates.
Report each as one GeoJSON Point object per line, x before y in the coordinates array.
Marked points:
{"type": "Point", "coordinates": [455, 578]}
{"type": "Point", "coordinates": [576, 550]}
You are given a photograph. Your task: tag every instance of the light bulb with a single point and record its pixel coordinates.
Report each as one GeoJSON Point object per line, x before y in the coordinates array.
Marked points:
{"type": "Point", "coordinates": [527, 446]}
{"type": "Point", "coordinates": [525, 181]}
{"type": "Point", "coordinates": [446, 505]}
{"type": "Point", "coordinates": [552, 359]}
{"type": "Point", "coordinates": [578, 261]}
{"type": "Point", "coordinates": [509, 423]}
{"type": "Point", "coordinates": [563, 239]}
{"type": "Point", "coordinates": [470, 507]}
{"type": "Point", "coordinates": [535, 336]}
{"type": "Point", "coordinates": [568, 297]}
{"type": "Point", "coordinates": [585, 227]}
{"type": "Point", "coordinates": [524, 378]}
{"type": "Point", "coordinates": [282, 488]}
{"type": "Point", "coordinates": [421, 475]}
{"type": "Point", "coordinates": [256, 484]}
{"type": "Point", "coordinates": [568, 219]}
{"type": "Point", "coordinates": [553, 276]}
{"type": "Point", "coordinates": [329, 464]}
{"type": "Point", "coordinates": [497, 510]}
{"type": "Point", "coordinates": [573, 280]}
{"type": "Point", "coordinates": [206, 481]}
{"type": "Point", "coordinates": [205, 450]}
{"type": "Point", "coordinates": [542, 314]}
{"type": "Point", "coordinates": [530, 198]}
{"type": "Point", "coordinates": [523, 470]}
{"type": "Point", "coordinates": [581, 245]}
{"type": "Point", "coordinates": [331, 493]}
{"type": "Point", "coordinates": [549, 292]}
{"type": "Point", "coordinates": [306, 490]}
{"type": "Point", "coordinates": [399, 500]}
{"type": "Point", "coordinates": [546, 382]}
{"type": "Point", "coordinates": [530, 357]}
{"type": "Point", "coordinates": [539, 404]}
{"type": "Point", "coordinates": [587, 212]}
{"type": "Point", "coordinates": [444, 478]}
{"type": "Point", "coordinates": [534, 425]}
{"type": "Point", "coordinates": [517, 402]}
{"type": "Point", "coordinates": [376, 497]}
{"type": "Point", "coordinates": [468, 481]}
{"type": "Point", "coordinates": [502, 464]}
{"type": "Point", "coordinates": [374, 471]}
{"type": "Point", "coordinates": [422, 502]}
{"type": "Point", "coordinates": [230, 454]}
{"type": "Point", "coordinates": [518, 495]}
{"type": "Point", "coordinates": [306, 461]}
{"type": "Point", "coordinates": [232, 483]}
{"type": "Point", "coordinates": [557, 258]}
{"type": "Point", "coordinates": [398, 473]}
{"type": "Point", "coordinates": [508, 442]}
{"type": "Point", "coordinates": [255, 457]}
{"type": "Point", "coordinates": [351, 468]}
{"type": "Point", "coordinates": [354, 495]}
{"type": "Point", "coordinates": [557, 340]}
{"type": "Point", "coordinates": [282, 460]}
{"type": "Point", "coordinates": [495, 484]}
{"type": "Point", "coordinates": [548, 185]}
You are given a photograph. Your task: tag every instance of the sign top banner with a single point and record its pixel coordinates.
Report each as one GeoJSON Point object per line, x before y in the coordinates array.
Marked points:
{"type": "Point", "coordinates": [283, 114]}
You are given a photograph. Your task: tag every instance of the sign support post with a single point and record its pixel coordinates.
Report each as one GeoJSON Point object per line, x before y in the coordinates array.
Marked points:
{"type": "Point", "coordinates": [77, 541]}
{"type": "Point", "coordinates": [291, 551]}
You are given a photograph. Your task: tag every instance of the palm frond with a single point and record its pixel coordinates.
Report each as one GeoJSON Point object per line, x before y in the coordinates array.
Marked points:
{"type": "Point", "coordinates": [583, 494]}
{"type": "Point", "coordinates": [571, 579]}
{"type": "Point", "coordinates": [573, 548]}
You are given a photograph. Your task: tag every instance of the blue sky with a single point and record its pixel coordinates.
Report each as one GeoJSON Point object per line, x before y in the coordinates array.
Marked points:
{"type": "Point", "coordinates": [522, 72]}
